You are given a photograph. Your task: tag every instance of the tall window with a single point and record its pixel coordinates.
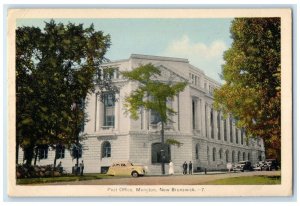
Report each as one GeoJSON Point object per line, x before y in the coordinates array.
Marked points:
{"type": "Point", "coordinates": [206, 124]}
{"type": "Point", "coordinates": [109, 110]}
{"type": "Point", "coordinates": [218, 125]}
{"type": "Point", "coordinates": [236, 136]}
{"type": "Point", "coordinates": [230, 129]}
{"type": "Point", "coordinates": [160, 153]}
{"type": "Point", "coordinates": [242, 136]}
{"type": "Point", "coordinates": [155, 117]}
{"type": "Point", "coordinates": [233, 156]}
{"type": "Point", "coordinates": [227, 156]}
{"type": "Point", "coordinates": [214, 154]}
{"type": "Point", "coordinates": [207, 153]}
{"type": "Point", "coordinates": [220, 154]}
{"type": "Point", "coordinates": [239, 156]}
{"type": "Point", "coordinates": [249, 156]}
{"type": "Point", "coordinates": [77, 151]}
{"type": "Point", "coordinates": [43, 152]}
{"type": "Point", "coordinates": [197, 151]}
{"type": "Point", "coordinates": [244, 156]}
{"type": "Point", "coordinates": [194, 113]}
{"type": "Point", "coordinates": [225, 130]}
{"type": "Point", "coordinates": [106, 149]}
{"type": "Point", "coordinates": [212, 122]}
{"type": "Point", "coordinates": [60, 152]}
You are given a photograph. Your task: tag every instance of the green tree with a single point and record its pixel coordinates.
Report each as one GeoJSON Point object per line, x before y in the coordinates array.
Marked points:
{"type": "Point", "coordinates": [152, 94]}
{"type": "Point", "coordinates": [251, 92]}
{"type": "Point", "coordinates": [56, 68]}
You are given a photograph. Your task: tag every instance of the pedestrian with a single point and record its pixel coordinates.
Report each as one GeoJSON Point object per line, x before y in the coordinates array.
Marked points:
{"type": "Point", "coordinates": [59, 167]}
{"type": "Point", "coordinates": [171, 168]}
{"type": "Point", "coordinates": [190, 167]}
{"type": "Point", "coordinates": [184, 168]}
{"type": "Point", "coordinates": [76, 169]}
{"type": "Point", "coordinates": [81, 168]}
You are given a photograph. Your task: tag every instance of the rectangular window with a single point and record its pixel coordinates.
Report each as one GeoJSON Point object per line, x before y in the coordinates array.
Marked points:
{"type": "Point", "coordinates": [206, 124]}
{"type": "Point", "coordinates": [194, 113]}
{"type": "Point", "coordinates": [43, 152]}
{"type": "Point", "coordinates": [219, 125]}
{"type": "Point", "coordinates": [230, 129]}
{"type": "Point", "coordinates": [155, 117]}
{"type": "Point", "coordinates": [225, 130]}
{"type": "Point", "coordinates": [236, 136]}
{"type": "Point", "coordinates": [212, 122]}
{"type": "Point", "coordinates": [242, 136]}
{"type": "Point", "coordinates": [109, 110]}
{"type": "Point", "coordinates": [60, 152]}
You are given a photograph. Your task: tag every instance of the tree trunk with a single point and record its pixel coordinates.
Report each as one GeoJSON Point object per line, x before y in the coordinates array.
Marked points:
{"type": "Point", "coordinates": [36, 155]}
{"type": "Point", "coordinates": [28, 151]}
{"type": "Point", "coordinates": [55, 158]}
{"type": "Point", "coordinates": [162, 148]}
{"type": "Point", "coordinates": [17, 151]}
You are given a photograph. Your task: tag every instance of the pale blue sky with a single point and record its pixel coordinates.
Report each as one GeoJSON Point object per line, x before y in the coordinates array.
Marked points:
{"type": "Point", "coordinates": [202, 41]}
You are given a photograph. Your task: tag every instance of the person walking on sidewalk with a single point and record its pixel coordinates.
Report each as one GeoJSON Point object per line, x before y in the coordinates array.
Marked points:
{"type": "Point", "coordinates": [184, 168]}
{"type": "Point", "coordinates": [190, 168]}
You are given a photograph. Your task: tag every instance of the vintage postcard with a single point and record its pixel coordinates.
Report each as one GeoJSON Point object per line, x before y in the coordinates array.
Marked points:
{"type": "Point", "coordinates": [150, 102]}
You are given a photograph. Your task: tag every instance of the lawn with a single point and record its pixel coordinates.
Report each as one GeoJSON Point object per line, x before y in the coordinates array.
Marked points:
{"type": "Point", "coordinates": [68, 178]}
{"type": "Point", "coordinates": [249, 180]}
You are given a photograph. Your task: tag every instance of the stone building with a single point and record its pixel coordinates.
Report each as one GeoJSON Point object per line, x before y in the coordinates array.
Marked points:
{"type": "Point", "coordinates": [208, 139]}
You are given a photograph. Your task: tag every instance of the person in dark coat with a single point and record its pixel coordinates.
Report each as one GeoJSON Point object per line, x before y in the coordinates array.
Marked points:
{"type": "Point", "coordinates": [184, 168]}
{"type": "Point", "coordinates": [190, 168]}
{"type": "Point", "coordinates": [81, 168]}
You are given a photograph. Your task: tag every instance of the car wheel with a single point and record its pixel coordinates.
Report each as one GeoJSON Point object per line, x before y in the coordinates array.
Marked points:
{"type": "Point", "coordinates": [134, 174]}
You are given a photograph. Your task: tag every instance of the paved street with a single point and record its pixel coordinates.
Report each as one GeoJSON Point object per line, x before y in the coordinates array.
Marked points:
{"type": "Point", "coordinates": [196, 179]}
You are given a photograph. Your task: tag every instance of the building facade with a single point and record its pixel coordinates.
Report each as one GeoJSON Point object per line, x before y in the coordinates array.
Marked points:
{"type": "Point", "coordinates": [208, 138]}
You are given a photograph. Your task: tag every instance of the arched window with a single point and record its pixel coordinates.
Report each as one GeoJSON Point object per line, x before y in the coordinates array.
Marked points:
{"type": "Point", "coordinates": [106, 149]}
{"type": "Point", "coordinates": [214, 154]}
{"type": "Point", "coordinates": [233, 156]}
{"type": "Point", "coordinates": [227, 156]}
{"type": "Point", "coordinates": [197, 151]}
{"type": "Point", "coordinates": [244, 156]}
{"type": "Point", "coordinates": [160, 153]}
{"type": "Point", "coordinates": [249, 156]}
{"type": "Point", "coordinates": [239, 156]}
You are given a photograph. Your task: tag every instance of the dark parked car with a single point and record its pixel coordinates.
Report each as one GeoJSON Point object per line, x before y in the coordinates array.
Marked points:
{"type": "Point", "coordinates": [272, 164]}
{"type": "Point", "coordinates": [260, 166]}
{"type": "Point", "coordinates": [242, 166]}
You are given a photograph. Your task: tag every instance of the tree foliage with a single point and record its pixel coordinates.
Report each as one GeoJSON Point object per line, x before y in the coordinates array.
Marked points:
{"type": "Point", "coordinates": [152, 94]}
{"type": "Point", "coordinates": [251, 92]}
{"type": "Point", "coordinates": [55, 68]}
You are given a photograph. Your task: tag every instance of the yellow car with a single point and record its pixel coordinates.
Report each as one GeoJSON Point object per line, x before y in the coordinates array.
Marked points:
{"type": "Point", "coordinates": [126, 169]}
